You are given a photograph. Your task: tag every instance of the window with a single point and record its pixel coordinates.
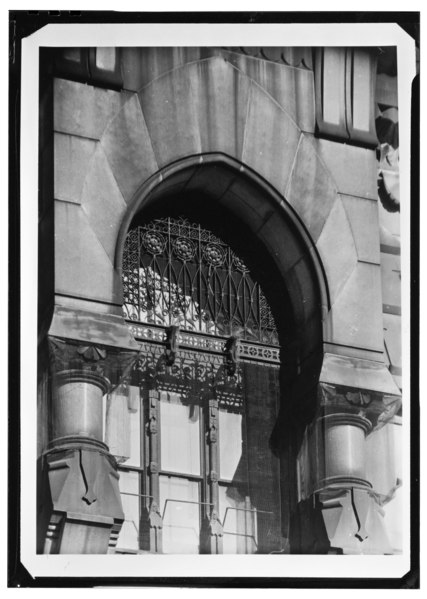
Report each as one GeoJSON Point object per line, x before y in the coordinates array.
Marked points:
{"type": "Point", "coordinates": [196, 471]}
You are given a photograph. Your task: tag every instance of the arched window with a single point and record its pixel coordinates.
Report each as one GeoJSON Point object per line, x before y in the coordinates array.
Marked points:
{"type": "Point", "coordinates": [197, 474]}
{"type": "Point", "coordinates": [177, 273]}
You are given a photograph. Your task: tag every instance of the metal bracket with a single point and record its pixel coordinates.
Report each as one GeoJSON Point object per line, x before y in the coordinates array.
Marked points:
{"type": "Point", "coordinates": [172, 344]}
{"type": "Point", "coordinates": [231, 355]}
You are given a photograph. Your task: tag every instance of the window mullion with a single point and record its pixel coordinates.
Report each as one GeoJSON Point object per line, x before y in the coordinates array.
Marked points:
{"type": "Point", "coordinates": [153, 431]}
{"type": "Point", "coordinates": [213, 528]}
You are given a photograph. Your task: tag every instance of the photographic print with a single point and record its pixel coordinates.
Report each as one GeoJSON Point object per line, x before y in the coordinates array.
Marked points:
{"type": "Point", "coordinates": [221, 252]}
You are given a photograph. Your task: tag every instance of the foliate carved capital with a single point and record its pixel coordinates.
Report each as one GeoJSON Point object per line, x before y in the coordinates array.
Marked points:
{"type": "Point", "coordinates": [92, 359]}
{"type": "Point", "coordinates": [377, 407]}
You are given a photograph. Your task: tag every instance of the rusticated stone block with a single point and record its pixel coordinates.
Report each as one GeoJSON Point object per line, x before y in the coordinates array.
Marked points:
{"type": "Point", "coordinates": [128, 148]}
{"type": "Point", "coordinates": [143, 65]}
{"type": "Point", "coordinates": [311, 190]}
{"type": "Point", "coordinates": [353, 169]}
{"type": "Point", "coordinates": [363, 218]}
{"type": "Point", "coordinates": [84, 110]}
{"type": "Point", "coordinates": [170, 113]}
{"type": "Point", "coordinates": [103, 203]}
{"type": "Point", "coordinates": [292, 88]}
{"type": "Point", "coordinates": [221, 95]}
{"type": "Point", "coordinates": [72, 158]}
{"type": "Point", "coordinates": [390, 279]}
{"type": "Point", "coordinates": [337, 235]}
{"type": "Point", "coordinates": [271, 139]}
{"type": "Point", "coordinates": [82, 266]}
{"type": "Point", "coordinates": [393, 340]}
{"type": "Point", "coordinates": [357, 311]}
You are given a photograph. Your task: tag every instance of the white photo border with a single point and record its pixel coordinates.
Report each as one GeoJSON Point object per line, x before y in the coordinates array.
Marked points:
{"type": "Point", "coordinates": [149, 34]}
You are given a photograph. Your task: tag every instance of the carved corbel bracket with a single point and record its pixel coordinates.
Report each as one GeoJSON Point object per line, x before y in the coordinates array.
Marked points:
{"type": "Point", "coordinates": [231, 355]}
{"type": "Point", "coordinates": [172, 344]}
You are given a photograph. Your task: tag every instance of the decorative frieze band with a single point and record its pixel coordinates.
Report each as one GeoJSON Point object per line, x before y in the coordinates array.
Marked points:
{"type": "Point", "coordinates": [207, 343]}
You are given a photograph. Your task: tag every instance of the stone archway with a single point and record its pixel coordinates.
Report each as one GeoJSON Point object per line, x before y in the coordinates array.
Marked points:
{"type": "Point", "coordinates": [292, 260]}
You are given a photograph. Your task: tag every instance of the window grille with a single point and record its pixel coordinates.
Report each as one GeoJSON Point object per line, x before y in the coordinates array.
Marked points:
{"type": "Point", "coordinates": [177, 273]}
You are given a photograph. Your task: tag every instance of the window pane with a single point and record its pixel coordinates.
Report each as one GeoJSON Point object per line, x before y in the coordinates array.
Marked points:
{"type": "Point", "coordinates": [129, 534]}
{"type": "Point", "coordinates": [230, 443]}
{"type": "Point", "coordinates": [180, 435]}
{"type": "Point", "coordinates": [106, 58]}
{"type": "Point", "coordinates": [239, 521]}
{"type": "Point", "coordinates": [181, 523]}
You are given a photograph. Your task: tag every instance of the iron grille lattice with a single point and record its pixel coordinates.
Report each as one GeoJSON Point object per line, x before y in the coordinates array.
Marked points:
{"type": "Point", "coordinates": [178, 273]}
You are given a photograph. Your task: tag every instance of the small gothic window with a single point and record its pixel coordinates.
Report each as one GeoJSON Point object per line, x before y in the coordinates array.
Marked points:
{"type": "Point", "coordinates": [178, 273]}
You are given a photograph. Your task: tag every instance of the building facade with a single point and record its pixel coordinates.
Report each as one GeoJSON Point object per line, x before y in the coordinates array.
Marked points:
{"type": "Point", "coordinates": [219, 308]}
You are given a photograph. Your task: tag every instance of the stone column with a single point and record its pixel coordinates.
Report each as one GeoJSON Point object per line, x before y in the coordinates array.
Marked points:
{"type": "Point", "coordinates": [344, 450]}
{"type": "Point", "coordinates": [81, 499]}
{"type": "Point", "coordinates": [77, 405]}
{"type": "Point", "coordinates": [339, 510]}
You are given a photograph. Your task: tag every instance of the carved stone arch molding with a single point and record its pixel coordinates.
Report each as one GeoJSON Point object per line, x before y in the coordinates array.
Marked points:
{"type": "Point", "coordinates": [292, 260]}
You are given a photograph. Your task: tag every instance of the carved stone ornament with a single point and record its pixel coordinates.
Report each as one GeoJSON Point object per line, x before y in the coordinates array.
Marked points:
{"type": "Point", "coordinates": [379, 408]}
{"type": "Point", "coordinates": [82, 493]}
{"type": "Point", "coordinates": [354, 521]}
{"type": "Point", "coordinates": [155, 517]}
{"type": "Point", "coordinates": [109, 362]}
{"type": "Point", "coordinates": [215, 526]}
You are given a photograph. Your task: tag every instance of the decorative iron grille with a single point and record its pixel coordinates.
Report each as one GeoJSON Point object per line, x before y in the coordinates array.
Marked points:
{"type": "Point", "coordinates": [178, 273]}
